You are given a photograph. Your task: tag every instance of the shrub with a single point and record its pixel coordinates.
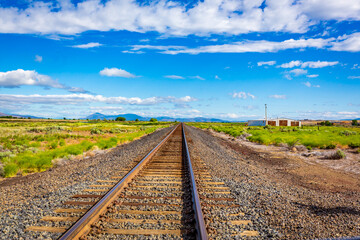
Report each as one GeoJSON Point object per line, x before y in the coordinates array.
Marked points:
{"type": "Point", "coordinates": [52, 145]}
{"type": "Point", "coordinates": [95, 131]}
{"type": "Point", "coordinates": [5, 154]}
{"type": "Point", "coordinates": [120, 119]}
{"type": "Point", "coordinates": [354, 122]}
{"type": "Point", "coordinates": [331, 146]}
{"type": "Point", "coordinates": [10, 170]}
{"type": "Point", "coordinates": [153, 120]}
{"type": "Point", "coordinates": [337, 155]}
{"type": "Point", "coordinates": [309, 148]}
{"type": "Point", "coordinates": [347, 133]}
{"type": "Point", "coordinates": [326, 123]}
{"type": "Point", "coordinates": [73, 150]}
{"type": "Point", "coordinates": [62, 142]}
{"type": "Point", "coordinates": [354, 145]}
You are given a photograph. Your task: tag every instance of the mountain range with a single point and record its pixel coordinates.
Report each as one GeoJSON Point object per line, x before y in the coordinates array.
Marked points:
{"type": "Point", "coordinates": [133, 117]}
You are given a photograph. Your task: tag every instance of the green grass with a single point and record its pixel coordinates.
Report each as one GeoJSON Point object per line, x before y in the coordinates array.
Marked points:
{"type": "Point", "coordinates": [311, 136]}
{"type": "Point", "coordinates": [25, 150]}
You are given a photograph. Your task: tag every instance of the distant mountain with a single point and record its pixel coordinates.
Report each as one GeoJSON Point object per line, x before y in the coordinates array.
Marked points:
{"type": "Point", "coordinates": [132, 117]}
{"type": "Point", "coordinates": [16, 115]}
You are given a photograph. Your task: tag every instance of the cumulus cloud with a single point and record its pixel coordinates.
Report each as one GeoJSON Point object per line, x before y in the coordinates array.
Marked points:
{"type": "Point", "coordinates": [116, 72]}
{"type": "Point", "coordinates": [278, 96]}
{"type": "Point", "coordinates": [309, 64]}
{"type": "Point", "coordinates": [87, 45]}
{"type": "Point", "coordinates": [38, 58]}
{"type": "Point", "coordinates": [174, 77]}
{"type": "Point", "coordinates": [166, 17]}
{"type": "Point", "coordinates": [176, 18]}
{"type": "Point", "coordinates": [331, 9]}
{"type": "Point", "coordinates": [269, 63]}
{"type": "Point", "coordinates": [348, 43]}
{"type": "Point", "coordinates": [74, 99]}
{"type": "Point", "coordinates": [20, 77]}
{"type": "Point", "coordinates": [243, 95]}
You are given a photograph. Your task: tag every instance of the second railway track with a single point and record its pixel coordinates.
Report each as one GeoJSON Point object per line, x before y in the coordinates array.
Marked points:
{"type": "Point", "coordinates": [162, 196]}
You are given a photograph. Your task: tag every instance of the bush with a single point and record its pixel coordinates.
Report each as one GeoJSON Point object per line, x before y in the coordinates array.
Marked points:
{"type": "Point", "coordinates": [96, 131]}
{"type": "Point", "coordinates": [331, 146]}
{"type": "Point", "coordinates": [337, 155]}
{"type": "Point", "coordinates": [354, 145]}
{"type": "Point", "coordinates": [354, 122]}
{"type": "Point", "coordinates": [52, 145]}
{"type": "Point", "coordinates": [10, 170]}
{"type": "Point", "coordinates": [326, 123]}
{"type": "Point", "coordinates": [153, 120]}
{"type": "Point", "coordinates": [120, 119]}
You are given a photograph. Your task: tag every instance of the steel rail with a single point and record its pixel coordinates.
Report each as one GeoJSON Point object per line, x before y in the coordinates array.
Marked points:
{"type": "Point", "coordinates": [201, 232]}
{"type": "Point", "coordinates": [83, 225]}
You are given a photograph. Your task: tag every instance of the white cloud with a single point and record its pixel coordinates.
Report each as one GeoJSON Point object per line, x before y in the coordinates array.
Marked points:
{"type": "Point", "coordinates": [87, 45]}
{"type": "Point", "coordinates": [243, 95]}
{"type": "Point", "coordinates": [354, 77]}
{"type": "Point", "coordinates": [312, 75]}
{"type": "Point", "coordinates": [291, 64]}
{"type": "Point", "coordinates": [278, 96]}
{"type": "Point", "coordinates": [74, 99]}
{"type": "Point", "coordinates": [298, 71]}
{"type": "Point", "coordinates": [309, 64]}
{"type": "Point", "coordinates": [174, 77]}
{"type": "Point", "coordinates": [175, 18]}
{"type": "Point", "coordinates": [308, 84]}
{"type": "Point", "coordinates": [116, 72]}
{"type": "Point", "coordinates": [331, 9]}
{"type": "Point", "coordinates": [269, 63]}
{"type": "Point", "coordinates": [242, 47]}
{"type": "Point", "coordinates": [349, 43]}
{"type": "Point", "coordinates": [198, 77]}
{"type": "Point", "coordinates": [166, 17]}
{"type": "Point", "coordinates": [20, 77]}
{"type": "Point", "coordinates": [38, 58]}
{"type": "Point", "coordinates": [217, 77]}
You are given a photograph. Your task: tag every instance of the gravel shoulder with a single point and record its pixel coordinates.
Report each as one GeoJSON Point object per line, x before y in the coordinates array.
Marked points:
{"type": "Point", "coordinates": [25, 200]}
{"type": "Point", "coordinates": [285, 197]}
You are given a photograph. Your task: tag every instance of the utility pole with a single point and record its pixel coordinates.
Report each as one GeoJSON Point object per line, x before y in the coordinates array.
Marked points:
{"type": "Point", "coordinates": [266, 122]}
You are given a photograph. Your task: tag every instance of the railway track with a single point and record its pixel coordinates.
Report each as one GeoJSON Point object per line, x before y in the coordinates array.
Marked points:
{"type": "Point", "coordinates": [163, 195]}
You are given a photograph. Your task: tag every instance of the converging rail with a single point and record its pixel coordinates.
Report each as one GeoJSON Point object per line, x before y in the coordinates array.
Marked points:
{"type": "Point", "coordinates": [165, 194]}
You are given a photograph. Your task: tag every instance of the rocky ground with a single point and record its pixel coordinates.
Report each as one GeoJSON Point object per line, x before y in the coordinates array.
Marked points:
{"type": "Point", "coordinates": [284, 197]}
{"type": "Point", "coordinates": [25, 200]}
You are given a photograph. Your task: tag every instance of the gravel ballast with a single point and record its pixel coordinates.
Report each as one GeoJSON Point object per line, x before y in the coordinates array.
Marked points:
{"type": "Point", "coordinates": [25, 200]}
{"type": "Point", "coordinates": [276, 202]}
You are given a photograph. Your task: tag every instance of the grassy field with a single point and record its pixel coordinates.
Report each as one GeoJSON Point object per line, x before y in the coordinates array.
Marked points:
{"type": "Point", "coordinates": [309, 136]}
{"type": "Point", "coordinates": [31, 146]}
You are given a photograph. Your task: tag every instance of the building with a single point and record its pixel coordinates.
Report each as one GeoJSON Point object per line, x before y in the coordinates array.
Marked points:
{"type": "Point", "coordinates": [275, 122]}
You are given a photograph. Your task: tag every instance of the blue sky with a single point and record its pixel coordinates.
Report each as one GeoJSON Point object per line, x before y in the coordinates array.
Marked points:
{"type": "Point", "coordinates": [219, 58]}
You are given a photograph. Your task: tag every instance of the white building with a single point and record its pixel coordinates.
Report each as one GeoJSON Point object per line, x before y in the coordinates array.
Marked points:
{"type": "Point", "coordinates": [275, 122]}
